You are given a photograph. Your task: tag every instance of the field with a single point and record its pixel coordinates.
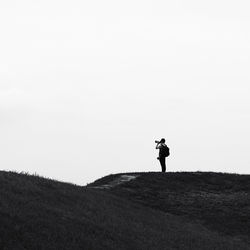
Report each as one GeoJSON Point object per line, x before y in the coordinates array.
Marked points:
{"type": "Point", "coordinates": [152, 211]}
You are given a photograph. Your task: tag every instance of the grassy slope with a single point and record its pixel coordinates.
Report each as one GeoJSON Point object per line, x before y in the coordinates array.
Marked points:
{"type": "Point", "coordinates": [219, 201]}
{"type": "Point", "coordinates": [38, 213]}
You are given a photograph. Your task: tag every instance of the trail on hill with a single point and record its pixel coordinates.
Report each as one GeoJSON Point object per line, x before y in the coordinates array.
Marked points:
{"type": "Point", "coordinates": [117, 181]}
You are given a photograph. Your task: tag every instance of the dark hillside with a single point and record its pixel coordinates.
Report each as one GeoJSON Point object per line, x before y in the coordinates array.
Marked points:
{"type": "Point", "coordinates": [219, 201]}
{"type": "Point", "coordinates": [38, 213]}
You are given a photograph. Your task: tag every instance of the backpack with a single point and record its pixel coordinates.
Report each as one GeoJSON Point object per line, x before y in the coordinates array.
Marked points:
{"type": "Point", "coordinates": [165, 151]}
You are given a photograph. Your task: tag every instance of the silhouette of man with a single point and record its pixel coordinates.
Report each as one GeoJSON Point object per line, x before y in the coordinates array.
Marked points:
{"type": "Point", "coordinates": [162, 156]}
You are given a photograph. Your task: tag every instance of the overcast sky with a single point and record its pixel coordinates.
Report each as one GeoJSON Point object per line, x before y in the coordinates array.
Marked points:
{"type": "Point", "coordinates": [87, 86]}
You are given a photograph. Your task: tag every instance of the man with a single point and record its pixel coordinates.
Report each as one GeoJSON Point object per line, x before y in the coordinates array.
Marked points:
{"type": "Point", "coordinates": [163, 153]}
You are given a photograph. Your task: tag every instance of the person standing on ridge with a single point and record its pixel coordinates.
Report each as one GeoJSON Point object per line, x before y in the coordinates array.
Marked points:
{"type": "Point", "coordinates": [163, 153]}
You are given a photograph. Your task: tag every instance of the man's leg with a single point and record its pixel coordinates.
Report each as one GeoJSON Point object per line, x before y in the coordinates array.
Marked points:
{"type": "Point", "coordinates": [163, 163]}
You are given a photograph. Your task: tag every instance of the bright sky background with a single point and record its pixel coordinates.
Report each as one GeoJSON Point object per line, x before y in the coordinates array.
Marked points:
{"type": "Point", "coordinates": [87, 86]}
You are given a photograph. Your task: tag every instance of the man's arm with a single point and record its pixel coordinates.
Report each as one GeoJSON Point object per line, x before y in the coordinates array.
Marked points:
{"type": "Point", "coordinates": [158, 146]}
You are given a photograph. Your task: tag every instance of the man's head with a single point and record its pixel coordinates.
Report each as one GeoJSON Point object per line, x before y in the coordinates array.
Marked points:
{"type": "Point", "coordinates": [162, 140]}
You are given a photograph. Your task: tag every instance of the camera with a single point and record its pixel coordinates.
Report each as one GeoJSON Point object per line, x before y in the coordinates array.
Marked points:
{"type": "Point", "coordinates": [157, 141]}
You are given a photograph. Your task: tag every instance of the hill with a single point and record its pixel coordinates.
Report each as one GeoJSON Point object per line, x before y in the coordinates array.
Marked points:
{"type": "Point", "coordinates": [38, 213]}
{"type": "Point", "coordinates": [220, 202]}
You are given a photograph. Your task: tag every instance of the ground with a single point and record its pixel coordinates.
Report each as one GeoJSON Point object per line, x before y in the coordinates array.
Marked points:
{"type": "Point", "coordinates": [133, 211]}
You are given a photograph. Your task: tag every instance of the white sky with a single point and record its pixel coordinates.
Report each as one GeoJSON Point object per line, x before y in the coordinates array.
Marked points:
{"type": "Point", "coordinates": [87, 86]}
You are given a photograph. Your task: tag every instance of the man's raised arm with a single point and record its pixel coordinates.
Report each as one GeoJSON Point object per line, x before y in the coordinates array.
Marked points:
{"type": "Point", "coordinates": [158, 145]}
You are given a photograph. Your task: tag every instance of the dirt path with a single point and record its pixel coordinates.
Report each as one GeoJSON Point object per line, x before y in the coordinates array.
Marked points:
{"type": "Point", "coordinates": [119, 180]}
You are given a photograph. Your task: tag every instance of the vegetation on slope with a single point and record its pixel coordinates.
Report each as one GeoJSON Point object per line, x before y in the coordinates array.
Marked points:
{"type": "Point", "coordinates": [38, 213]}
{"type": "Point", "coordinates": [219, 201]}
